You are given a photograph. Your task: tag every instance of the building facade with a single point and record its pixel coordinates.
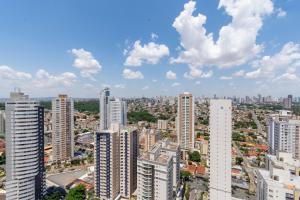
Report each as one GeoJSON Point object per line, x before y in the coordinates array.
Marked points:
{"type": "Point", "coordinates": [104, 106]}
{"type": "Point", "coordinates": [162, 124]}
{"type": "Point", "coordinates": [62, 128]}
{"type": "Point", "coordinates": [280, 179]}
{"type": "Point", "coordinates": [220, 127]}
{"type": "Point", "coordinates": [107, 165]}
{"type": "Point", "coordinates": [129, 150]}
{"type": "Point", "coordinates": [185, 121]}
{"type": "Point", "coordinates": [25, 172]}
{"type": "Point", "coordinates": [2, 121]}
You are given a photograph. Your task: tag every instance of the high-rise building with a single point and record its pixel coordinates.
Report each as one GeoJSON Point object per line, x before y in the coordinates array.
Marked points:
{"type": "Point", "coordinates": [287, 102]}
{"type": "Point", "coordinates": [284, 134]}
{"type": "Point", "coordinates": [150, 138]}
{"type": "Point", "coordinates": [220, 126]}
{"type": "Point", "coordinates": [128, 161]}
{"type": "Point", "coordinates": [107, 164]}
{"type": "Point", "coordinates": [185, 121]}
{"type": "Point", "coordinates": [25, 172]}
{"type": "Point", "coordinates": [162, 124]}
{"type": "Point", "coordinates": [104, 109]}
{"type": "Point", "coordinates": [155, 174]}
{"type": "Point", "coordinates": [280, 179]}
{"type": "Point", "coordinates": [2, 121]}
{"type": "Point", "coordinates": [62, 128]}
{"type": "Point", "coordinates": [112, 111]}
{"type": "Point", "coordinates": [117, 112]}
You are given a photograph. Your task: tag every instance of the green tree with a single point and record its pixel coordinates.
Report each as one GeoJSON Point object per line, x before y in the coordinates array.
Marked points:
{"type": "Point", "coordinates": [239, 160]}
{"type": "Point", "coordinates": [185, 175]}
{"type": "Point", "coordinates": [77, 193]}
{"type": "Point", "coordinates": [195, 156]}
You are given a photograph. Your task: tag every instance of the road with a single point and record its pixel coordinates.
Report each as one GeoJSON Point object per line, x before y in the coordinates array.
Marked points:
{"type": "Point", "coordinates": [259, 128]}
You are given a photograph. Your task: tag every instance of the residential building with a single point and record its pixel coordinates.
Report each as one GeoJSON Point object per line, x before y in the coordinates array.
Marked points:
{"type": "Point", "coordinates": [287, 102]}
{"type": "Point", "coordinates": [284, 133]}
{"type": "Point", "coordinates": [2, 121]}
{"type": "Point", "coordinates": [162, 124]}
{"type": "Point", "coordinates": [129, 150]}
{"type": "Point", "coordinates": [185, 121]}
{"type": "Point", "coordinates": [62, 128]}
{"type": "Point", "coordinates": [220, 127]}
{"type": "Point", "coordinates": [25, 172]}
{"type": "Point", "coordinates": [155, 175]}
{"type": "Point", "coordinates": [107, 164]}
{"type": "Point", "coordinates": [104, 106]}
{"type": "Point", "coordinates": [281, 178]}
{"type": "Point", "coordinates": [150, 137]}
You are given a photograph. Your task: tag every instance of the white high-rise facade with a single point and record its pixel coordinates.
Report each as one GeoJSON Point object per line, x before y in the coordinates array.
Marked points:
{"type": "Point", "coordinates": [185, 121]}
{"type": "Point", "coordinates": [112, 111]}
{"type": "Point", "coordinates": [129, 149]}
{"type": "Point", "coordinates": [220, 126]}
{"type": "Point", "coordinates": [62, 128]}
{"type": "Point", "coordinates": [107, 165]}
{"type": "Point", "coordinates": [284, 134]}
{"type": "Point", "coordinates": [2, 121]}
{"type": "Point", "coordinates": [25, 172]}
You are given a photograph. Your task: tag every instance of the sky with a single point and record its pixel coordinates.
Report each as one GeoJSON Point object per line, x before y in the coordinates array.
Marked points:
{"type": "Point", "coordinates": [150, 48]}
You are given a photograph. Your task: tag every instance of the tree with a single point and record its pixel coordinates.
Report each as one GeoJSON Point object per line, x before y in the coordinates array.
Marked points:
{"type": "Point", "coordinates": [185, 175]}
{"type": "Point", "coordinates": [195, 156]}
{"type": "Point", "coordinates": [239, 160]}
{"type": "Point", "coordinates": [77, 193]}
{"type": "Point", "coordinates": [54, 193]}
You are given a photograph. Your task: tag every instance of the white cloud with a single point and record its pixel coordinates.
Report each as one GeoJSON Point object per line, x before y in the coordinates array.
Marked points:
{"type": "Point", "coordinates": [286, 77]}
{"type": "Point", "coordinates": [197, 73]}
{"type": "Point", "coordinates": [225, 78]}
{"type": "Point", "coordinates": [145, 88]}
{"type": "Point", "coordinates": [236, 44]}
{"type": "Point", "coordinates": [46, 80]}
{"type": "Point", "coordinates": [287, 60]}
{"type": "Point", "coordinates": [197, 82]}
{"type": "Point", "coordinates": [281, 13]}
{"type": "Point", "coordinates": [154, 80]}
{"type": "Point", "coordinates": [86, 63]}
{"type": "Point", "coordinates": [120, 86]}
{"type": "Point", "coordinates": [239, 73]}
{"type": "Point", "coordinates": [9, 73]}
{"type": "Point", "coordinates": [130, 74]}
{"type": "Point", "coordinates": [170, 75]}
{"type": "Point", "coordinates": [88, 86]}
{"type": "Point", "coordinates": [105, 85]}
{"type": "Point", "coordinates": [175, 84]}
{"type": "Point", "coordinates": [149, 53]}
{"type": "Point", "coordinates": [154, 36]}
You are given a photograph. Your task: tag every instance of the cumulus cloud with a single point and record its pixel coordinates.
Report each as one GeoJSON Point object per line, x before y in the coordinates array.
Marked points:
{"type": "Point", "coordinates": [225, 78]}
{"type": "Point", "coordinates": [154, 36]}
{"type": "Point", "coordinates": [239, 73]}
{"type": "Point", "coordinates": [120, 86]}
{"type": "Point", "coordinates": [287, 60]}
{"type": "Point", "coordinates": [197, 73]}
{"type": "Point", "coordinates": [286, 77]}
{"type": "Point", "coordinates": [281, 13]}
{"type": "Point", "coordinates": [46, 80]}
{"type": "Point", "coordinates": [175, 84]}
{"type": "Point", "coordinates": [170, 75]}
{"type": "Point", "coordinates": [86, 63]}
{"type": "Point", "coordinates": [130, 74]}
{"type": "Point", "coordinates": [145, 88]}
{"type": "Point", "coordinates": [236, 44]}
{"type": "Point", "coordinates": [8, 73]}
{"type": "Point", "coordinates": [150, 53]}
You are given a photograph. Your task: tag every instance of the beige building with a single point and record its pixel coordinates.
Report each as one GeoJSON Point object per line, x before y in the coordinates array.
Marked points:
{"type": "Point", "coordinates": [162, 124]}
{"type": "Point", "coordinates": [128, 161]}
{"type": "Point", "coordinates": [107, 164]}
{"type": "Point", "coordinates": [151, 137]}
{"type": "Point", "coordinates": [185, 121]}
{"type": "Point", "coordinates": [62, 128]}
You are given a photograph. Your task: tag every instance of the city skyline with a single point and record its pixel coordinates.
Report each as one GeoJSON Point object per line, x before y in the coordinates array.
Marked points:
{"type": "Point", "coordinates": [74, 52]}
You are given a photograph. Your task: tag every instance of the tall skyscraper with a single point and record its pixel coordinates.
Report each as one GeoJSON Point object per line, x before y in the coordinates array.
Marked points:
{"type": "Point", "coordinates": [185, 121]}
{"type": "Point", "coordinates": [220, 149]}
{"type": "Point", "coordinates": [155, 173]}
{"type": "Point", "coordinates": [2, 121]}
{"type": "Point", "coordinates": [284, 134]}
{"type": "Point", "coordinates": [25, 172]}
{"type": "Point", "coordinates": [104, 109]}
{"type": "Point", "coordinates": [112, 111]}
{"type": "Point", "coordinates": [107, 164]}
{"type": "Point", "coordinates": [62, 128]}
{"type": "Point", "coordinates": [128, 161]}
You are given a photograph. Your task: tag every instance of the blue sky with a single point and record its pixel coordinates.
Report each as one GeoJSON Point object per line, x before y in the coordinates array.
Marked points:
{"type": "Point", "coordinates": [149, 48]}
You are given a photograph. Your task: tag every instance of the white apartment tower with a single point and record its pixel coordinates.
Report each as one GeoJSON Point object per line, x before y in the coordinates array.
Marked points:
{"type": "Point", "coordinates": [25, 172]}
{"type": "Point", "coordinates": [220, 125]}
{"type": "Point", "coordinates": [62, 128]}
{"type": "Point", "coordinates": [158, 172]}
{"type": "Point", "coordinates": [107, 165]}
{"type": "Point", "coordinates": [128, 161]}
{"type": "Point", "coordinates": [185, 121]}
{"type": "Point", "coordinates": [2, 121]}
{"type": "Point", "coordinates": [284, 134]}
{"type": "Point", "coordinates": [112, 111]}
{"type": "Point", "coordinates": [162, 124]}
